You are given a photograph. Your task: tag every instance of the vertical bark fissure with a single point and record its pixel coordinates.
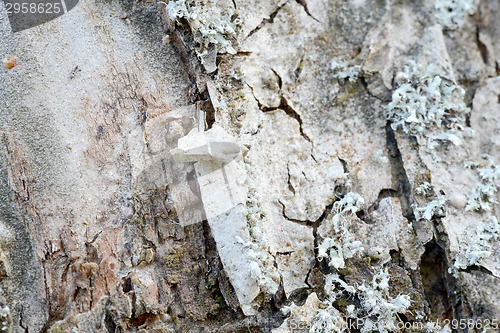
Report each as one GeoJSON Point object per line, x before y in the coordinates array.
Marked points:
{"type": "Point", "coordinates": [399, 174]}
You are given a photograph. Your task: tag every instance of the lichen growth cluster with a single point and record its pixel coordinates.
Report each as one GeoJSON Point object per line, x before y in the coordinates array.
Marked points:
{"type": "Point", "coordinates": [433, 208]}
{"type": "Point", "coordinates": [5, 319]}
{"type": "Point", "coordinates": [212, 32]}
{"type": "Point", "coordinates": [341, 246]}
{"type": "Point", "coordinates": [424, 189]}
{"type": "Point", "coordinates": [262, 267]}
{"type": "Point", "coordinates": [263, 262]}
{"type": "Point", "coordinates": [378, 309]}
{"type": "Point", "coordinates": [480, 246]}
{"type": "Point", "coordinates": [452, 13]}
{"type": "Point", "coordinates": [428, 106]}
{"type": "Point", "coordinates": [483, 196]}
{"type": "Point", "coordinates": [345, 72]}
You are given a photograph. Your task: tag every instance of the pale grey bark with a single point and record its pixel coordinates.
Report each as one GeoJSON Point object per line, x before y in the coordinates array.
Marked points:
{"type": "Point", "coordinates": [95, 233]}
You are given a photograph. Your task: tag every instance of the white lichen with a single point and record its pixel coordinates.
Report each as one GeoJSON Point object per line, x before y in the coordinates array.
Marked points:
{"type": "Point", "coordinates": [212, 33]}
{"type": "Point", "coordinates": [344, 71]}
{"type": "Point", "coordinates": [480, 245]}
{"type": "Point", "coordinates": [341, 246]}
{"type": "Point", "coordinates": [5, 318]}
{"type": "Point", "coordinates": [423, 189]}
{"type": "Point", "coordinates": [483, 196]}
{"type": "Point", "coordinates": [433, 208]}
{"type": "Point", "coordinates": [452, 13]}
{"type": "Point", "coordinates": [328, 320]}
{"type": "Point", "coordinates": [428, 106]}
{"type": "Point", "coordinates": [349, 204]}
{"type": "Point", "coordinates": [377, 303]}
{"type": "Point", "coordinates": [262, 266]}
{"type": "Point", "coordinates": [377, 309]}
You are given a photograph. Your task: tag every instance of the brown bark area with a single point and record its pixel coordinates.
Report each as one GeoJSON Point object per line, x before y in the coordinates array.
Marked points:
{"type": "Point", "coordinates": [90, 237]}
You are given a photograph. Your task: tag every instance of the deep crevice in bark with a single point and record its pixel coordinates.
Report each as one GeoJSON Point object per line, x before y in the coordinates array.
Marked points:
{"type": "Point", "coordinates": [399, 174]}
{"type": "Point", "coordinates": [109, 323]}
{"type": "Point", "coordinates": [21, 323]}
{"type": "Point", "coordinates": [432, 271]}
{"type": "Point", "coordinates": [483, 50]}
{"type": "Point", "coordinates": [442, 290]}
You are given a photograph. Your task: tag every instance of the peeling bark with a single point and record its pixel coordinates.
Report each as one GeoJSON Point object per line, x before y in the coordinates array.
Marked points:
{"type": "Point", "coordinates": [102, 230]}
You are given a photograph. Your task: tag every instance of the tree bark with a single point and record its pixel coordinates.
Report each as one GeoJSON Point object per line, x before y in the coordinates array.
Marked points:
{"type": "Point", "coordinates": [209, 166]}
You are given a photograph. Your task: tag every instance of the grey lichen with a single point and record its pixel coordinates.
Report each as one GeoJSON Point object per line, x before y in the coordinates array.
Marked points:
{"type": "Point", "coordinates": [341, 246]}
{"type": "Point", "coordinates": [263, 262]}
{"type": "Point", "coordinates": [452, 13]}
{"type": "Point", "coordinates": [428, 106]}
{"type": "Point", "coordinates": [480, 246]}
{"type": "Point", "coordinates": [213, 32]}
{"type": "Point", "coordinates": [377, 309]}
{"type": "Point", "coordinates": [483, 196]}
{"type": "Point", "coordinates": [5, 319]}
{"type": "Point", "coordinates": [346, 72]}
{"type": "Point", "coordinates": [423, 189]}
{"type": "Point", "coordinates": [433, 208]}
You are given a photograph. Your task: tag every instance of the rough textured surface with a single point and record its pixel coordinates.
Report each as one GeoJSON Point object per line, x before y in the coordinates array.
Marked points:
{"type": "Point", "coordinates": [314, 206]}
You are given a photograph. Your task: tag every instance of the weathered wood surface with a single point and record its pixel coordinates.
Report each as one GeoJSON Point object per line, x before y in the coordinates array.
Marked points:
{"type": "Point", "coordinates": [93, 233]}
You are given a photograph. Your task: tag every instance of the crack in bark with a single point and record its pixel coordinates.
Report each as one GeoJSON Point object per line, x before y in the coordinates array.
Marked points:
{"type": "Point", "coordinates": [362, 79]}
{"type": "Point", "coordinates": [314, 224]}
{"type": "Point", "coordinates": [290, 112]}
{"type": "Point", "coordinates": [109, 322]}
{"type": "Point", "coordinates": [301, 222]}
{"type": "Point", "coordinates": [399, 174]}
{"type": "Point", "coordinates": [190, 62]}
{"type": "Point", "coordinates": [441, 289]}
{"type": "Point", "coordinates": [290, 186]}
{"type": "Point", "coordinates": [21, 324]}
{"type": "Point", "coordinates": [309, 286]}
{"type": "Point", "coordinates": [266, 21]}
{"type": "Point", "coordinates": [483, 50]}
{"type": "Point", "coordinates": [284, 106]}
{"type": "Point", "coordinates": [278, 78]}
{"type": "Point", "coordinates": [345, 166]}
{"type": "Point", "coordinates": [482, 269]}
{"type": "Point", "coordinates": [303, 3]}
{"type": "Point", "coordinates": [240, 54]}
{"type": "Point", "coordinates": [52, 316]}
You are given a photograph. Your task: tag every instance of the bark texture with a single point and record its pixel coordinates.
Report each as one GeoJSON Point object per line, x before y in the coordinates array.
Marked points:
{"type": "Point", "coordinates": [337, 183]}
